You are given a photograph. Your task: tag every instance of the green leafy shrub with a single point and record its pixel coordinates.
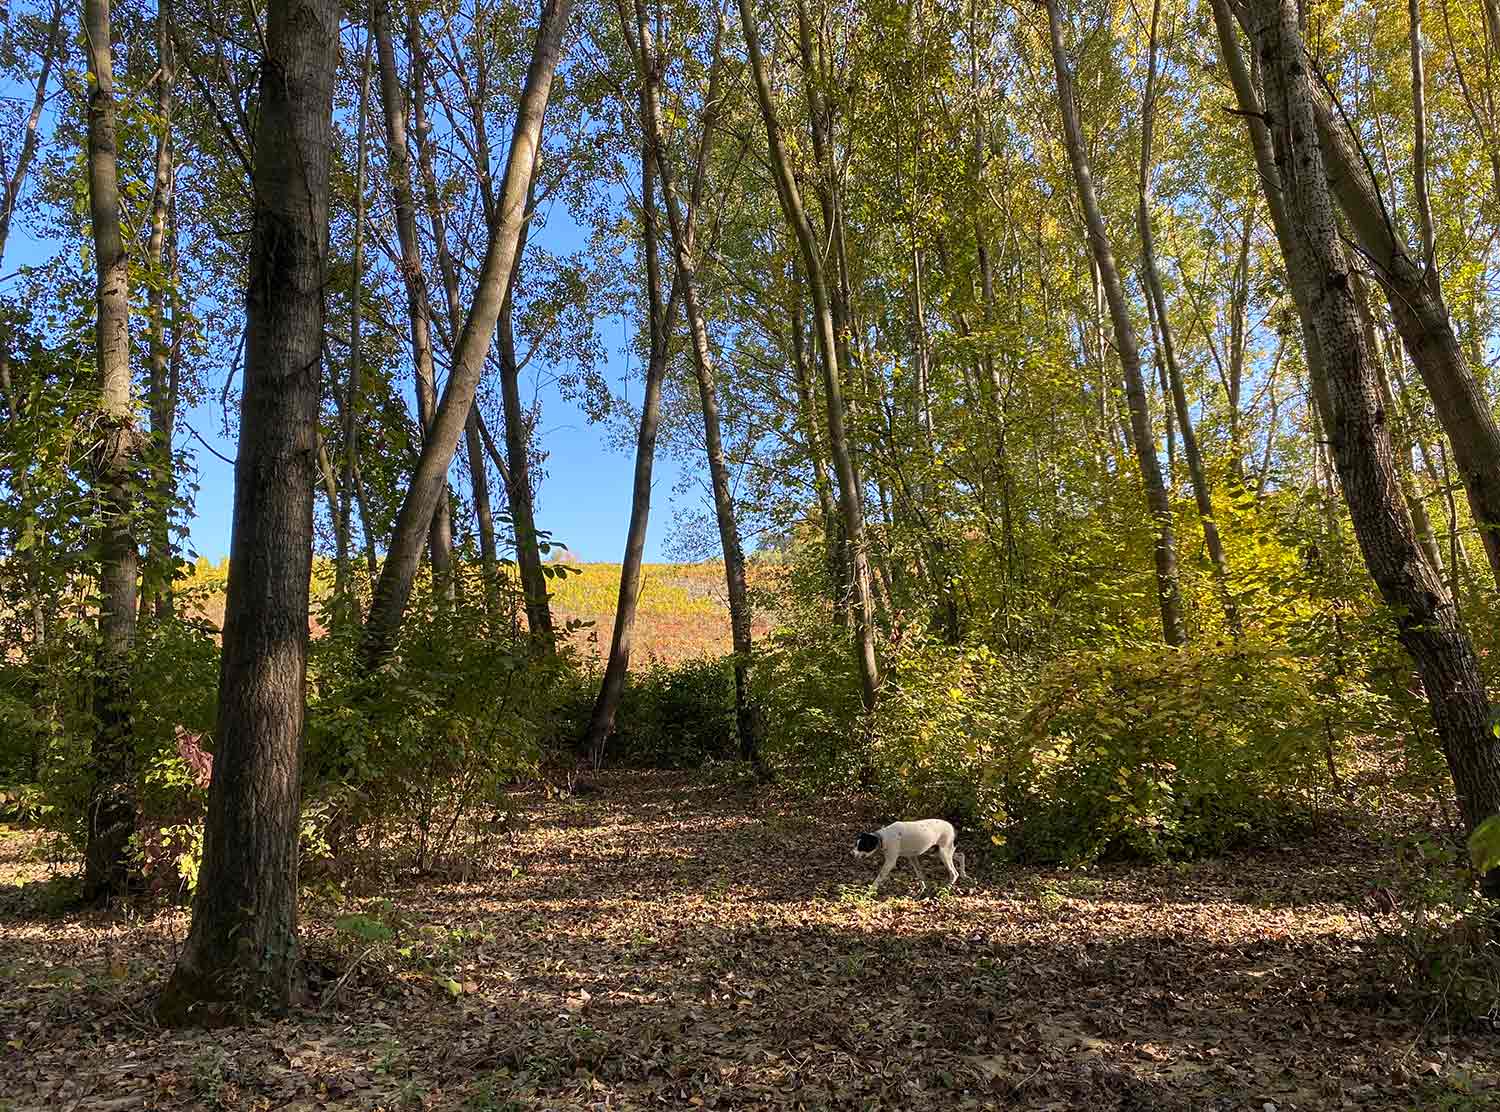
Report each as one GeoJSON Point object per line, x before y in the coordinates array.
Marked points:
{"type": "Point", "coordinates": [805, 682]}
{"type": "Point", "coordinates": [414, 750]}
{"type": "Point", "coordinates": [676, 715]}
{"type": "Point", "coordinates": [1161, 753]}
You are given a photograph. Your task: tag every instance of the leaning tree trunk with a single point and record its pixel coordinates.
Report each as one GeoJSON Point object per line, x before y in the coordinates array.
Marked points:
{"type": "Point", "coordinates": [659, 320]}
{"type": "Point", "coordinates": [1415, 292]}
{"type": "Point", "coordinates": [484, 514]}
{"type": "Point", "coordinates": [683, 233]}
{"type": "Point", "coordinates": [829, 346]}
{"type": "Point", "coordinates": [242, 947]}
{"type": "Point", "coordinates": [429, 479]}
{"type": "Point", "coordinates": [393, 100]}
{"type": "Point", "coordinates": [1142, 438]}
{"type": "Point", "coordinates": [111, 815]}
{"type": "Point", "coordinates": [1202, 495]}
{"type": "Point", "coordinates": [1424, 613]}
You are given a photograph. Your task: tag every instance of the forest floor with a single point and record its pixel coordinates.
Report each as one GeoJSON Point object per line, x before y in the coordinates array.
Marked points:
{"type": "Point", "coordinates": [675, 942]}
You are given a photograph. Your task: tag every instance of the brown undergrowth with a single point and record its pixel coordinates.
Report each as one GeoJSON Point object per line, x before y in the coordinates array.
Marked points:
{"type": "Point", "coordinates": [671, 941]}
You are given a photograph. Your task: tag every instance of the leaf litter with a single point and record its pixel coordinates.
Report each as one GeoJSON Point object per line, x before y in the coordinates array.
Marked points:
{"type": "Point", "coordinates": [673, 942]}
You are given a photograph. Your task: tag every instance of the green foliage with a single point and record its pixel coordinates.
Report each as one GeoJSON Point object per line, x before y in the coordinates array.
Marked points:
{"type": "Point", "coordinates": [1158, 753]}
{"type": "Point", "coordinates": [1443, 936]}
{"type": "Point", "coordinates": [676, 716]}
{"type": "Point", "coordinates": [424, 743]}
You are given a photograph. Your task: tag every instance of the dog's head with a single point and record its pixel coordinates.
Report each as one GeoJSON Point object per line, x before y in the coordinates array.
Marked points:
{"type": "Point", "coordinates": [866, 844]}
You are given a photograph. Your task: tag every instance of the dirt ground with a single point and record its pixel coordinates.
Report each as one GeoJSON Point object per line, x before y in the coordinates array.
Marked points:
{"type": "Point", "coordinates": [673, 942]}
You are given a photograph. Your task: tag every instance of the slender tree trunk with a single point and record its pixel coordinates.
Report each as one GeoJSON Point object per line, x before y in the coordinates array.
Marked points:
{"type": "Point", "coordinates": [489, 556]}
{"type": "Point", "coordinates": [393, 99]}
{"type": "Point", "coordinates": [660, 321]}
{"type": "Point", "coordinates": [519, 486]}
{"type": "Point", "coordinates": [850, 493]}
{"type": "Point", "coordinates": [344, 531]}
{"type": "Point", "coordinates": [111, 817]}
{"type": "Point", "coordinates": [429, 480]}
{"type": "Point", "coordinates": [1144, 441]}
{"type": "Point", "coordinates": [156, 588]}
{"type": "Point", "coordinates": [649, 67]}
{"type": "Point", "coordinates": [31, 133]}
{"type": "Point", "coordinates": [1202, 494]}
{"type": "Point", "coordinates": [242, 948]}
{"type": "Point", "coordinates": [1420, 604]}
{"type": "Point", "coordinates": [835, 551]}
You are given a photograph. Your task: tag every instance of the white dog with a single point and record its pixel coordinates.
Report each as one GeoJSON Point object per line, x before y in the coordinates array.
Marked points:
{"type": "Point", "coordinates": [910, 840]}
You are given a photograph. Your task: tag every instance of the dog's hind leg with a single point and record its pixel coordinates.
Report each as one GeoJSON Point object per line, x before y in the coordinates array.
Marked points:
{"type": "Point", "coordinates": [947, 854]}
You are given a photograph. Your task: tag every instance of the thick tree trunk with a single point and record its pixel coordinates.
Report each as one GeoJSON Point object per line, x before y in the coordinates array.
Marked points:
{"type": "Point", "coordinates": [1420, 605]}
{"type": "Point", "coordinates": [1202, 494]}
{"type": "Point", "coordinates": [1247, 95]}
{"type": "Point", "coordinates": [660, 321]}
{"type": "Point", "coordinates": [242, 948]}
{"type": "Point", "coordinates": [829, 346]}
{"type": "Point", "coordinates": [429, 480]}
{"type": "Point", "coordinates": [393, 100]}
{"type": "Point", "coordinates": [1415, 293]}
{"type": "Point", "coordinates": [683, 233]}
{"type": "Point", "coordinates": [1142, 438]}
{"type": "Point", "coordinates": [111, 816]}
{"type": "Point", "coordinates": [156, 588]}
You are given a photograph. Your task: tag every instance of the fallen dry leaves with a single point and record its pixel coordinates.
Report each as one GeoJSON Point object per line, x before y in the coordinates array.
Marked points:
{"type": "Point", "coordinates": [670, 942]}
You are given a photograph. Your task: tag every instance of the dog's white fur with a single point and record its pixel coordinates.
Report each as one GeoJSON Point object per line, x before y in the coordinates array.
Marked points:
{"type": "Point", "coordinates": [910, 840]}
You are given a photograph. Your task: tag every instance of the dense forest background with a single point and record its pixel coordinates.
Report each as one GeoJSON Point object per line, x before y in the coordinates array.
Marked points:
{"type": "Point", "coordinates": [1090, 412]}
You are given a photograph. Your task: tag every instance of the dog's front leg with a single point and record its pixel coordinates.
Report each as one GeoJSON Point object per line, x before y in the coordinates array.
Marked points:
{"type": "Point", "coordinates": [885, 869]}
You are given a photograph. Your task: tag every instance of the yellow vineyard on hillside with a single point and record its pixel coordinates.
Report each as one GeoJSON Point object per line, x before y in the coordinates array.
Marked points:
{"type": "Point", "coordinates": [682, 614]}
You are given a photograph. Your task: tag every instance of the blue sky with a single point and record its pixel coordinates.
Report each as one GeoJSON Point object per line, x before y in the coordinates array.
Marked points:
{"type": "Point", "coordinates": [584, 500]}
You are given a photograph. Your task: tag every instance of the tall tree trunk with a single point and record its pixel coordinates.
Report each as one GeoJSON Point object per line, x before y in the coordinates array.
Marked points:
{"type": "Point", "coordinates": [835, 551]}
{"type": "Point", "coordinates": [242, 948]}
{"type": "Point", "coordinates": [1420, 604]}
{"type": "Point", "coordinates": [1144, 441]}
{"type": "Point", "coordinates": [393, 100]}
{"type": "Point", "coordinates": [429, 479]}
{"type": "Point", "coordinates": [649, 67]}
{"type": "Point", "coordinates": [156, 588]}
{"type": "Point", "coordinates": [31, 132]}
{"type": "Point", "coordinates": [111, 816]}
{"type": "Point", "coordinates": [850, 493]}
{"type": "Point", "coordinates": [344, 530]}
{"type": "Point", "coordinates": [1202, 495]}
{"type": "Point", "coordinates": [519, 490]}
{"type": "Point", "coordinates": [660, 320]}
{"type": "Point", "coordinates": [1414, 290]}
{"type": "Point", "coordinates": [489, 557]}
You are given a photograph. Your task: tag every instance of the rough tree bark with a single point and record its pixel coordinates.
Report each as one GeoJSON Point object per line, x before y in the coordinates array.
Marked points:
{"type": "Point", "coordinates": [429, 479]}
{"type": "Point", "coordinates": [650, 65]}
{"type": "Point", "coordinates": [242, 948]}
{"type": "Point", "coordinates": [1142, 438]}
{"type": "Point", "coordinates": [1202, 494]}
{"type": "Point", "coordinates": [398, 160]}
{"type": "Point", "coordinates": [829, 346]}
{"type": "Point", "coordinates": [111, 815]}
{"type": "Point", "coordinates": [1420, 604]}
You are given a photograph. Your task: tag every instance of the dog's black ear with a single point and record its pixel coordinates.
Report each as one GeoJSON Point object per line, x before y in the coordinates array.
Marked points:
{"type": "Point", "coordinates": [867, 843]}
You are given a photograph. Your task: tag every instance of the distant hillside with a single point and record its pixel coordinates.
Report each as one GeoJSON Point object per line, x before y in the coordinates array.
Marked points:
{"type": "Point", "coordinates": [682, 610]}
